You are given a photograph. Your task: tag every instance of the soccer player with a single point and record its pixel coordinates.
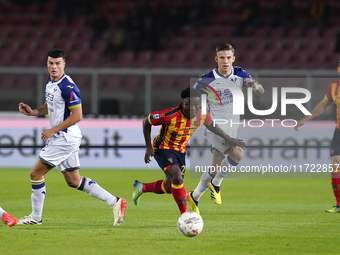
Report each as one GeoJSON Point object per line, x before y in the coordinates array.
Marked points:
{"type": "Point", "coordinates": [7, 219]}
{"type": "Point", "coordinates": [63, 138]}
{"type": "Point", "coordinates": [224, 155]}
{"type": "Point", "coordinates": [168, 148]}
{"type": "Point", "coordinates": [331, 97]}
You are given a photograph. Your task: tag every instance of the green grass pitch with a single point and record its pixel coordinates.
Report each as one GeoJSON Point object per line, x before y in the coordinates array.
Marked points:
{"type": "Point", "coordinates": [257, 216]}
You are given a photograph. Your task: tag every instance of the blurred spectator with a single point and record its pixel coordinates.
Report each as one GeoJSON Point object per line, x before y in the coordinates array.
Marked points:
{"type": "Point", "coordinates": [249, 16]}
{"type": "Point", "coordinates": [99, 26]}
{"type": "Point", "coordinates": [150, 39]}
{"type": "Point", "coordinates": [283, 15]}
{"type": "Point", "coordinates": [114, 40]}
{"type": "Point", "coordinates": [319, 14]}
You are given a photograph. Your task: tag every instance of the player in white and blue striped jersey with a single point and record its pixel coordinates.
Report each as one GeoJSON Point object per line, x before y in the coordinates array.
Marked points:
{"type": "Point", "coordinates": [220, 101]}
{"type": "Point", "coordinates": [63, 138]}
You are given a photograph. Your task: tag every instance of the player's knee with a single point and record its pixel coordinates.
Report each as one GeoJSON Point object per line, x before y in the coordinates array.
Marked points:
{"type": "Point", "coordinates": [72, 184]}
{"type": "Point", "coordinates": [177, 180]}
{"type": "Point", "coordinates": [35, 176]}
{"type": "Point", "coordinates": [236, 154]}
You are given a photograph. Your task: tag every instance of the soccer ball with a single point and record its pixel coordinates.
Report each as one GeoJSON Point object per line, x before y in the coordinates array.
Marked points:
{"type": "Point", "coordinates": [190, 224]}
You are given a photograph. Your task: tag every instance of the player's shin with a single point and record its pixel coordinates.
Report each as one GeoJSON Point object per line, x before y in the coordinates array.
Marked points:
{"type": "Point", "coordinates": [94, 190]}
{"type": "Point", "coordinates": [336, 186]}
{"type": "Point", "coordinates": [155, 187]}
{"type": "Point", "coordinates": [223, 171]}
{"type": "Point", "coordinates": [202, 185]}
{"type": "Point", "coordinates": [178, 192]}
{"type": "Point", "coordinates": [37, 198]}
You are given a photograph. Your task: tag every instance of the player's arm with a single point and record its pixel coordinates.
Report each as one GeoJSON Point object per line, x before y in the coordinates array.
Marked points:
{"type": "Point", "coordinates": [231, 141]}
{"type": "Point", "coordinates": [27, 110]}
{"type": "Point", "coordinates": [75, 117]}
{"type": "Point", "coordinates": [149, 151]}
{"type": "Point", "coordinates": [257, 87]}
{"type": "Point", "coordinates": [320, 108]}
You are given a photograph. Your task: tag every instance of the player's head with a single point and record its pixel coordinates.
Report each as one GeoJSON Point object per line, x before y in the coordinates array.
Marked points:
{"type": "Point", "coordinates": [56, 63]}
{"type": "Point", "coordinates": [225, 57]}
{"type": "Point", "coordinates": [190, 102]}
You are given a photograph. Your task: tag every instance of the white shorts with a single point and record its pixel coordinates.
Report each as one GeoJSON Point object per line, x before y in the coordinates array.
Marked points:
{"type": "Point", "coordinates": [218, 142]}
{"type": "Point", "coordinates": [60, 153]}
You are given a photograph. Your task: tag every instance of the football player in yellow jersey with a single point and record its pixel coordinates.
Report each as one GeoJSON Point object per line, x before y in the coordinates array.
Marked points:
{"type": "Point", "coordinates": [168, 148]}
{"type": "Point", "coordinates": [332, 96]}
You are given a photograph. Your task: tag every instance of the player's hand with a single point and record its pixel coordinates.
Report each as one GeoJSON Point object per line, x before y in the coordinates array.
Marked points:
{"type": "Point", "coordinates": [236, 142]}
{"type": "Point", "coordinates": [148, 154]}
{"type": "Point", "coordinates": [47, 134]}
{"type": "Point", "coordinates": [25, 109]}
{"type": "Point", "coordinates": [299, 124]}
{"type": "Point", "coordinates": [258, 89]}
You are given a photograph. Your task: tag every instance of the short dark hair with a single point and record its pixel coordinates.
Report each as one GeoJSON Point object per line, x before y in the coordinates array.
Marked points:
{"type": "Point", "coordinates": [225, 46]}
{"type": "Point", "coordinates": [189, 92]}
{"type": "Point", "coordinates": [56, 53]}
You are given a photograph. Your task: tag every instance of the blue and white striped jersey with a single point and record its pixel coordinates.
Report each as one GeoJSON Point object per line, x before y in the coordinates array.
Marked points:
{"type": "Point", "coordinates": [218, 82]}
{"type": "Point", "coordinates": [61, 96]}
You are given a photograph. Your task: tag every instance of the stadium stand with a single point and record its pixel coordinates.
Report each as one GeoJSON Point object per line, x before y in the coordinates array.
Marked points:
{"type": "Point", "coordinates": [29, 30]}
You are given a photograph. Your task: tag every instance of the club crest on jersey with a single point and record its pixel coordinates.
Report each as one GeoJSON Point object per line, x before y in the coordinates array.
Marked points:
{"type": "Point", "coordinates": [170, 160]}
{"type": "Point", "coordinates": [196, 122]}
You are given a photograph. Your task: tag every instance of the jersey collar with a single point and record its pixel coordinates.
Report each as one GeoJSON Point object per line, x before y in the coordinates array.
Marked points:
{"type": "Point", "coordinates": [222, 76]}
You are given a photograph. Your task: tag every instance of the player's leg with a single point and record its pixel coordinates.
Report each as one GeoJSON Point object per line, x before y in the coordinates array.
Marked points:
{"type": "Point", "coordinates": [174, 173]}
{"type": "Point", "coordinates": [37, 174]}
{"type": "Point", "coordinates": [74, 180]}
{"type": "Point", "coordinates": [335, 177]}
{"type": "Point", "coordinates": [7, 219]}
{"type": "Point", "coordinates": [157, 187]}
{"type": "Point", "coordinates": [206, 177]}
{"type": "Point", "coordinates": [232, 160]}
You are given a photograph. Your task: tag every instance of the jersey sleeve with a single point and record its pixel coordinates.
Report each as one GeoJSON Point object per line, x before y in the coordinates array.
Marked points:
{"type": "Point", "coordinates": [328, 96]}
{"type": "Point", "coordinates": [71, 95]}
{"type": "Point", "coordinates": [157, 118]}
{"type": "Point", "coordinates": [243, 74]}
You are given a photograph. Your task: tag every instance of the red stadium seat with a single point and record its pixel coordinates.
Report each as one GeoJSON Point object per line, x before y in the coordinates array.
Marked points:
{"type": "Point", "coordinates": [274, 46]}
{"type": "Point", "coordinates": [163, 82]}
{"type": "Point", "coordinates": [294, 33]}
{"type": "Point", "coordinates": [195, 60]}
{"type": "Point", "coordinates": [7, 81]}
{"type": "Point", "coordinates": [110, 82]}
{"type": "Point", "coordinates": [73, 59]}
{"type": "Point", "coordinates": [5, 58]}
{"type": "Point", "coordinates": [143, 59]}
{"type": "Point", "coordinates": [90, 59]}
{"type": "Point", "coordinates": [318, 60]}
{"type": "Point", "coordinates": [26, 82]}
{"type": "Point", "coordinates": [160, 59]}
{"type": "Point", "coordinates": [292, 46]}
{"type": "Point", "coordinates": [125, 59]}
{"type": "Point", "coordinates": [265, 60]}
{"type": "Point", "coordinates": [177, 59]}
{"type": "Point", "coordinates": [133, 83]}
{"type": "Point", "coordinates": [300, 60]}
{"type": "Point", "coordinates": [283, 60]}
{"type": "Point", "coordinates": [20, 59]}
